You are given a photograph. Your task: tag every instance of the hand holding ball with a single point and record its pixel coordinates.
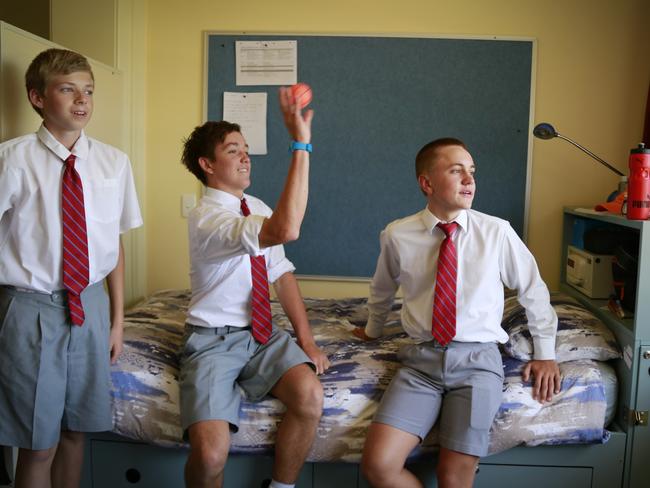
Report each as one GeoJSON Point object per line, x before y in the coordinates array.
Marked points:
{"type": "Point", "coordinates": [302, 94]}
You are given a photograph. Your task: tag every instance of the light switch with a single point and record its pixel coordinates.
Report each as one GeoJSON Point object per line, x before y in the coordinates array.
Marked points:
{"type": "Point", "coordinates": [188, 202]}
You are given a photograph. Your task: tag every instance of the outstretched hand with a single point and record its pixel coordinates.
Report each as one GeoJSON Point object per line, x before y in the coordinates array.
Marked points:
{"type": "Point", "coordinates": [547, 379]}
{"type": "Point", "coordinates": [298, 123]}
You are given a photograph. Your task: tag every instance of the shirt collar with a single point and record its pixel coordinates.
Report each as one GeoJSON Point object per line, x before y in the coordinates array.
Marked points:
{"type": "Point", "coordinates": [430, 221]}
{"type": "Point", "coordinates": [80, 149]}
{"type": "Point", "coordinates": [226, 199]}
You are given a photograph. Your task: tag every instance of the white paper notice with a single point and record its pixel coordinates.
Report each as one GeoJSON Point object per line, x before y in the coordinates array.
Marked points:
{"type": "Point", "coordinates": [266, 62]}
{"type": "Point", "coordinates": [249, 111]}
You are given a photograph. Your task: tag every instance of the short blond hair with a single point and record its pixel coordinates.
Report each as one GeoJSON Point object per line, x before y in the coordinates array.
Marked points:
{"type": "Point", "coordinates": [53, 62]}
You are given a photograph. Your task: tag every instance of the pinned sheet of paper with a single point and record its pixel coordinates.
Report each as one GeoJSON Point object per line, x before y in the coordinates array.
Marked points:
{"type": "Point", "coordinates": [266, 63]}
{"type": "Point", "coordinates": [249, 111]}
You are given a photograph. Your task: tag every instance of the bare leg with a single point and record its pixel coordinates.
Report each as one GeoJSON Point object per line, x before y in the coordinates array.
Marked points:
{"type": "Point", "coordinates": [33, 468]}
{"type": "Point", "coordinates": [66, 467]}
{"type": "Point", "coordinates": [301, 392]}
{"type": "Point", "coordinates": [455, 469]}
{"type": "Point", "coordinates": [209, 444]}
{"type": "Point", "coordinates": [384, 456]}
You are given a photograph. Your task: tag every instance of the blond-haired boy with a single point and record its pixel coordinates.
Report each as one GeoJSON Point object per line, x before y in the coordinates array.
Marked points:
{"type": "Point", "coordinates": [65, 198]}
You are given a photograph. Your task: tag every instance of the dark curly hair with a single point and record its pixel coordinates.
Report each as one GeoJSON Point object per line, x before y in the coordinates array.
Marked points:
{"type": "Point", "coordinates": [201, 144]}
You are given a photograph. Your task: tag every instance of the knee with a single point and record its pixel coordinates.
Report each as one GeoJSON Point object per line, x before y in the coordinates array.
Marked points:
{"type": "Point", "coordinates": [377, 476]}
{"type": "Point", "coordinates": [308, 401]}
{"type": "Point", "coordinates": [459, 475]}
{"type": "Point", "coordinates": [72, 439]}
{"type": "Point", "coordinates": [42, 456]}
{"type": "Point", "coordinates": [368, 469]}
{"type": "Point", "coordinates": [379, 471]}
{"type": "Point", "coordinates": [210, 461]}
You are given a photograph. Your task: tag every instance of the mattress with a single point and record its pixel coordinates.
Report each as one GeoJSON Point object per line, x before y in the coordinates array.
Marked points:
{"type": "Point", "coordinates": [146, 395]}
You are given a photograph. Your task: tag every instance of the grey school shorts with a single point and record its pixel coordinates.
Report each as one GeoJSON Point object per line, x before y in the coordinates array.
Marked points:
{"type": "Point", "coordinates": [217, 362]}
{"type": "Point", "coordinates": [54, 376]}
{"type": "Point", "coordinates": [460, 384]}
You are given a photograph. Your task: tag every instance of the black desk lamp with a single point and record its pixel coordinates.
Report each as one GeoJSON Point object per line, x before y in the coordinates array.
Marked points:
{"type": "Point", "coordinates": [547, 131]}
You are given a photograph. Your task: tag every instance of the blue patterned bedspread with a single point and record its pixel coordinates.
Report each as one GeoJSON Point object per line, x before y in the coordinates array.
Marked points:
{"type": "Point", "coordinates": [146, 395]}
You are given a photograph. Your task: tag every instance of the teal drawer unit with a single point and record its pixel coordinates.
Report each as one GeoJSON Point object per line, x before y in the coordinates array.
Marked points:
{"type": "Point", "coordinates": [134, 465]}
{"type": "Point", "coordinates": [640, 433]}
{"type": "Point", "coordinates": [336, 475]}
{"type": "Point", "coordinates": [126, 464]}
{"type": "Point", "coordinates": [491, 475]}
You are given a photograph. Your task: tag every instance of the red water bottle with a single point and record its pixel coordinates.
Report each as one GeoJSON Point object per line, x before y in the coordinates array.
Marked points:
{"type": "Point", "coordinates": [638, 187]}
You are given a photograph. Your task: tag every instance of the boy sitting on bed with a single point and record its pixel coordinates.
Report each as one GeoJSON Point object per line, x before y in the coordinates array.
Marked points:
{"type": "Point", "coordinates": [235, 246]}
{"type": "Point", "coordinates": [64, 200]}
{"type": "Point", "coordinates": [455, 374]}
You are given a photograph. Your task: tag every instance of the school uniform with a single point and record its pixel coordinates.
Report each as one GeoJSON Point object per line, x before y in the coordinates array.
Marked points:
{"type": "Point", "coordinates": [54, 375]}
{"type": "Point", "coordinates": [460, 382]}
{"type": "Point", "coordinates": [220, 354]}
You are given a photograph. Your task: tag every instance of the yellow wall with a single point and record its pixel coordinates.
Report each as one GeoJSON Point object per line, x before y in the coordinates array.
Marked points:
{"type": "Point", "coordinates": [592, 78]}
{"type": "Point", "coordinates": [94, 36]}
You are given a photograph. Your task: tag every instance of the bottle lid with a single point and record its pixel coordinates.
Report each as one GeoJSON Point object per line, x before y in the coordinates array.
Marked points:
{"type": "Point", "coordinates": [640, 150]}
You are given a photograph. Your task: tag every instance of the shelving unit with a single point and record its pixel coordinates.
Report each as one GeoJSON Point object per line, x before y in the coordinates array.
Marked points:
{"type": "Point", "coordinates": [633, 335]}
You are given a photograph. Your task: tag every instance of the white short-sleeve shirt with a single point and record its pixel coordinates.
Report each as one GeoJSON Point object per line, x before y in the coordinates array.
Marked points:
{"type": "Point", "coordinates": [31, 172]}
{"type": "Point", "coordinates": [221, 243]}
{"type": "Point", "coordinates": [490, 255]}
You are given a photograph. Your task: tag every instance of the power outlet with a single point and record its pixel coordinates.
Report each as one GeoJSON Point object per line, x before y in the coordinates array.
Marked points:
{"type": "Point", "coordinates": [188, 202]}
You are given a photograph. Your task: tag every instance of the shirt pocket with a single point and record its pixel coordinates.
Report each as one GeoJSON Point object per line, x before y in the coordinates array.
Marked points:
{"type": "Point", "coordinates": [104, 201]}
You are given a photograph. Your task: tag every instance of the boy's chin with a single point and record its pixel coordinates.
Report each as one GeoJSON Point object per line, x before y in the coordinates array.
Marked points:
{"type": "Point", "coordinates": [73, 125]}
{"type": "Point", "coordinates": [467, 204]}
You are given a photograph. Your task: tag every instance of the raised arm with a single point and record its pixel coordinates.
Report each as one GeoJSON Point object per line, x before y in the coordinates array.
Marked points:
{"type": "Point", "coordinates": [284, 225]}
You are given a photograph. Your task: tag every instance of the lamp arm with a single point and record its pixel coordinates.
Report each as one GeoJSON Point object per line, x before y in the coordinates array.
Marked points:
{"type": "Point", "coordinates": [590, 154]}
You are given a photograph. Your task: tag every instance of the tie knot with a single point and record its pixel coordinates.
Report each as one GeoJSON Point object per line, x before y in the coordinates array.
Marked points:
{"type": "Point", "coordinates": [449, 228]}
{"type": "Point", "coordinates": [70, 161]}
{"type": "Point", "coordinates": [244, 207]}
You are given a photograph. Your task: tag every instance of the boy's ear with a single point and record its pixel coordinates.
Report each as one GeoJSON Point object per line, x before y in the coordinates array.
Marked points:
{"type": "Point", "coordinates": [35, 98]}
{"type": "Point", "coordinates": [206, 165]}
{"type": "Point", "coordinates": [425, 184]}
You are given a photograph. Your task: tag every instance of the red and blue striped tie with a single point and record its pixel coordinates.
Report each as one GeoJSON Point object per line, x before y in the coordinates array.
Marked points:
{"type": "Point", "coordinates": [443, 327]}
{"type": "Point", "coordinates": [75, 240]}
{"type": "Point", "coordinates": [261, 321]}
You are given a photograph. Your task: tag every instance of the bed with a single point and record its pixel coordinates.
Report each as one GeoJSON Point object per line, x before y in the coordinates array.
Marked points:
{"type": "Point", "coordinates": [146, 398]}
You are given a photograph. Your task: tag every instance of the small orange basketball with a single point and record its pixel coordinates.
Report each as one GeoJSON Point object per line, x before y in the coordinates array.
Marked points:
{"type": "Point", "coordinates": [302, 94]}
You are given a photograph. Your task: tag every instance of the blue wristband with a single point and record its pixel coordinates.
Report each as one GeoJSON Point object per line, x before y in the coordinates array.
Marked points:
{"type": "Point", "coordinates": [299, 146]}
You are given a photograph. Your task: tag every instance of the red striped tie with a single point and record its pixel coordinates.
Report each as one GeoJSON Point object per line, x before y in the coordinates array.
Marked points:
{"type": "Point", "coordinates": [443, 327]}
{"type": "Point", "coordinates": [260, 303]}
{"type": "Point", "coordinates": [75, 240]}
